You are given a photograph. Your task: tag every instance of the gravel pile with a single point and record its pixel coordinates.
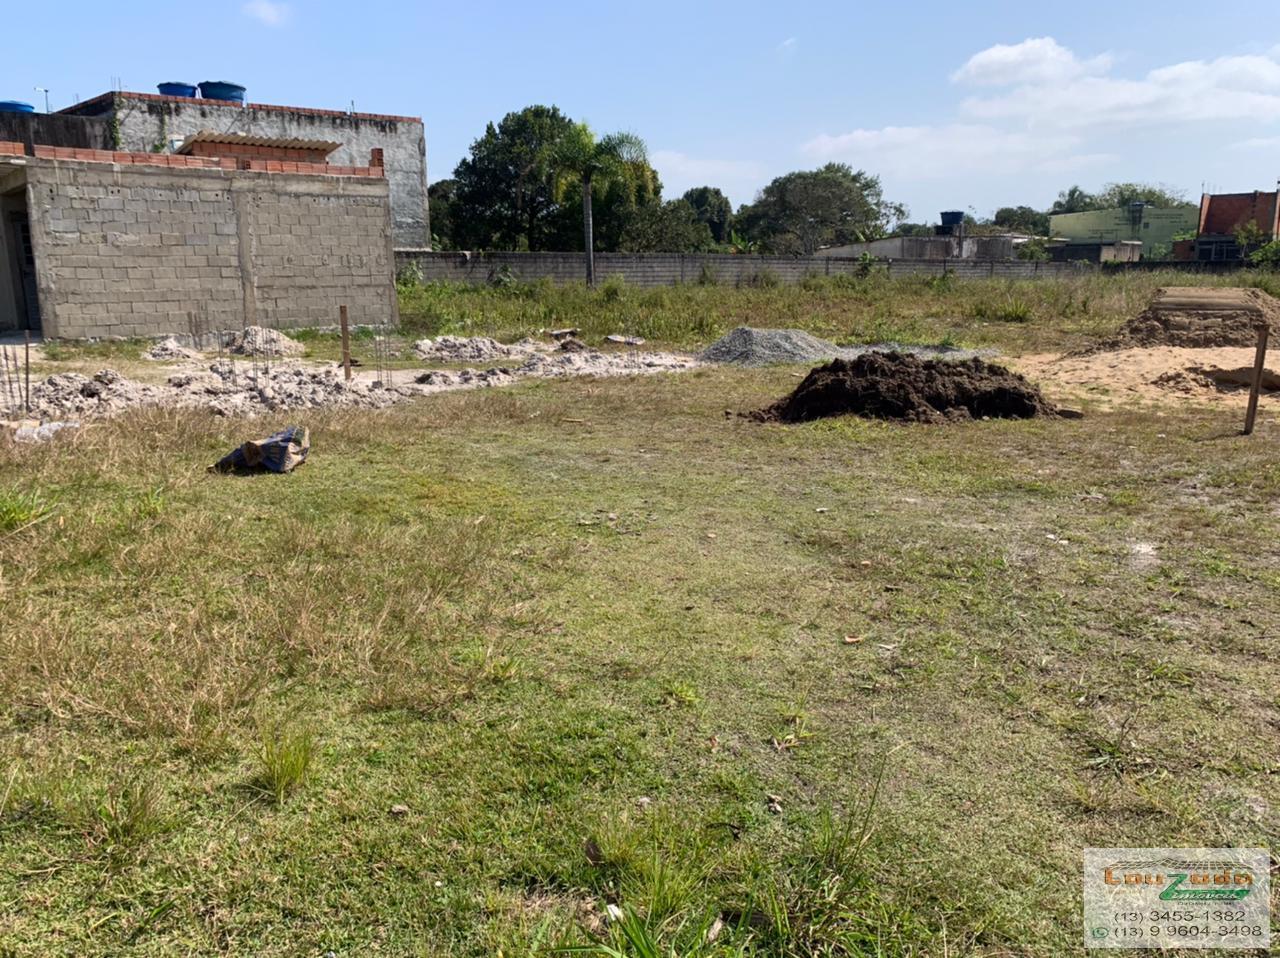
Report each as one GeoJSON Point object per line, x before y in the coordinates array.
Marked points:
{"type": "Point", "coordinates": [259, 341]}
{"type": "Point", "coordinates": [746, 346]}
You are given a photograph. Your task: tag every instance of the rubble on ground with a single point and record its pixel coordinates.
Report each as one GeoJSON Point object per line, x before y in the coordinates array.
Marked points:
{"type": "Point", "coordinates": [260, 341]}
{"type": "Point", "coordinates": [231, 388]}
{"type": "Point", "coordinates": [465, 349]}
{"type": "Point", "coordinates": [747, 346]}
{"type": "Point", "coordinates": [908, 388]}
{"type": "Point", "coordinates": [169, 350]}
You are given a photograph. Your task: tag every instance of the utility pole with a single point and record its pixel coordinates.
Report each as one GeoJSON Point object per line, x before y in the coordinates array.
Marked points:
{"type": "Point", "coordinates": [45, 91]}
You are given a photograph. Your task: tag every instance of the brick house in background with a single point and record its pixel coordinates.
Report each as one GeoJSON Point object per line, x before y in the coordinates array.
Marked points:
{"type": "Point", "coordinates": [1222, 214]}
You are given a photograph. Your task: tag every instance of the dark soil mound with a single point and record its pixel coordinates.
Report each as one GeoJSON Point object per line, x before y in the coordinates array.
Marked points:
{"type": "Point", "coordinates": [909, 389]}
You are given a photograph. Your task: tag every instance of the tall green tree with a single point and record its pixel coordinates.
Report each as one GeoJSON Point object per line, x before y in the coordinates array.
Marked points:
{"type": "Point", "coordinates": [1074, 200]}
{"type": "Point", "coordinates": [441, 200]}
{"type": "Point", "coordinates": [1115, 195]}
{"type": "Point", "coordinates": [619, 159]}
{"type": "Point", "coordinates": [506, 194]}
{"type": "Point", "coordinates": [830, 206]}
{"type": "Point", "coordinates": [1022, 219]}
{"type": "Point", "coordinates": [712, 207]}
{"type": "Point", "coordinates": [673, 227]}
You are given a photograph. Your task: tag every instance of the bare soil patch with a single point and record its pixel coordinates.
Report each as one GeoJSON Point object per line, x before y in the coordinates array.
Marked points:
{"type": "Point", "coordinates": [907, 388]}
{"type": "Point", "coordinates": [1198, 317]}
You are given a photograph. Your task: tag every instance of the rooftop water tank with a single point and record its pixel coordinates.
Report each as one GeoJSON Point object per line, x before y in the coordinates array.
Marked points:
{"type": "Point", "coordinates": [953, 217]}
{"type": "Point", "coordinates": [177, 88]}
{"type": "Point", "coordinates": [222, 90]}
{"type": "Point", "coordinates": [16, 106]}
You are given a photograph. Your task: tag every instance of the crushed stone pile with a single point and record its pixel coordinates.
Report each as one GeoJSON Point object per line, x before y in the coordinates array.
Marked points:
{"type": "Point", "coordinates": [72, 395]}
{"type": "Point", "coordinates": [1199, 317]}
{"type": "Point", "coordinates": [908, 388]}
{"type": "Point", "coordinates": [747, 346]}
{"type": "Point", "coordinates": [169, 350]}
{"type": "Point", "coordinates": [465, 349]}
{"type": "Point", "coordinates": [260, 341]}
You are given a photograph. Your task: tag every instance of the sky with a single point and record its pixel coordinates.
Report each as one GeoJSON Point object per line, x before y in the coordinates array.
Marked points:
{"type": "Point", "coordinates": [971, 106]}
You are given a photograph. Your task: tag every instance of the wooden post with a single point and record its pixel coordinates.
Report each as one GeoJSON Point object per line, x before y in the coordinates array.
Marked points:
{"type": "Point", "coordinates": [27, 364]}
{"type": "Point", "coordinates": [1255, 387]}
{"type": "Point", "coordinates": [346, 342]}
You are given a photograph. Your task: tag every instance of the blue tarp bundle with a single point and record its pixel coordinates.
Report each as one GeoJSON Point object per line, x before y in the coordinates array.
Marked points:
{"type": "Point", "coordinates": [281, 452]}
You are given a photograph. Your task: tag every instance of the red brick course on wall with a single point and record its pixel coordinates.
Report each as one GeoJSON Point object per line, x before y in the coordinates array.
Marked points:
{"type": "Point", "coordinates": [178, 161]}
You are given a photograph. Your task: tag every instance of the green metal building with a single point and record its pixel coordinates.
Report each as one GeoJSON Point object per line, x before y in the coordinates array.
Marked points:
{"type": "Point", "coordinates": [1154, 226]}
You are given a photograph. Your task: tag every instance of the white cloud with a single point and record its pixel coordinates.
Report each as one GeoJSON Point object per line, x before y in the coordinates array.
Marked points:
{"type": "Point", "coordinates": [1228, 88]}
{"type": "Point", "coordinates": [265, 11]}
{"type": "Point", "coordinates": [789, 44]}
{"type": "Point", "coordinates": [1051, 110]}
{"type": "Point", "coordinates": [944, 151]}
{"type": "Point", "coordinates": [680, 172]}
{"type": "Point", "coordinates": [1037, 60]}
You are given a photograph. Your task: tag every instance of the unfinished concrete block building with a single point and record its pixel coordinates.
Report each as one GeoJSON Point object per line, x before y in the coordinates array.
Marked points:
{"type": "Point", "coordinates": [149, 210]}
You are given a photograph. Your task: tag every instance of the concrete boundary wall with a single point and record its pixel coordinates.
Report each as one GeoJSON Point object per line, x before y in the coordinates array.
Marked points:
{"type": "Point", "coordinates": [668, 269]}
{"type": "Point", "coordinates": [125, 251]}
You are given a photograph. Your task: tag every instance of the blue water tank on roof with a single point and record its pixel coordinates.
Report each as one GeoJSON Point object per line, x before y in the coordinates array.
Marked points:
{"type": "Point", "coordinates": [16, 106]}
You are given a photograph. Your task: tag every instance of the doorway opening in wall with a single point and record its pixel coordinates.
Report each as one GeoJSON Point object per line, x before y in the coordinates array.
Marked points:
{"type": "Point", "coordinates": [19, 301]}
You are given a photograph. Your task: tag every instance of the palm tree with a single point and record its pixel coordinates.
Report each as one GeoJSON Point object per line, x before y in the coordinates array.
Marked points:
{"type": "Point", "coordinates": [580, 157]}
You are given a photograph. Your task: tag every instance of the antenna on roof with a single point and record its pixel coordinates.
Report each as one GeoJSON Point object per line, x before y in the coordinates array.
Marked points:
{"type": "Point", "coordinates": [45, 91]}
{"type": "Point", "coordinates": [353, 107]}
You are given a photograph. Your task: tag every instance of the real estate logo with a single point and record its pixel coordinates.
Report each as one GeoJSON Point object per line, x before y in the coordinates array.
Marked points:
{"type": "Point", "coordinates": [1177, 898]}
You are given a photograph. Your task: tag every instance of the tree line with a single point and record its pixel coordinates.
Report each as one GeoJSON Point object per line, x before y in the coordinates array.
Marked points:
{"type": "Point", "coordinates": [537, 180]}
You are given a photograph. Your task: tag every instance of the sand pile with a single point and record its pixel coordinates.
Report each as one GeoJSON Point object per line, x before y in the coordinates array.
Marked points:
{"type": "Point", "coordinates": [259, 341]}
{"type": "Point", "coordinates": [908, 388]}
{"type": "Point", "coordinates": [1199, 317]}
{"type": "Point", "coordinates": [169, 351]}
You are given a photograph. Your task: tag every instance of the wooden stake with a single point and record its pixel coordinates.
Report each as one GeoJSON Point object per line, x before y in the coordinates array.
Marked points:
{"type": "Point", "coordinates": [27, 364]}
{"type": "Point", "coordinates": [1255, 387]}
{"type": "Point", "coordinates": [346, 342]}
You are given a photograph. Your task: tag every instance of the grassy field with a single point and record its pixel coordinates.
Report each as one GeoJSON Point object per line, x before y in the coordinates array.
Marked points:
{"type": "Point", "coordinates": [1012, 315]}
{"type": "Point", "coordinates": [493, 662]}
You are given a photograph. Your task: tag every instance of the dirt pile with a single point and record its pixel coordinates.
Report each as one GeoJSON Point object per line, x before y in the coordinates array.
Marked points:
{"type": "Point", "coordinates": [260, 341]}
{"type": "Point", "coordinates": [169, 351]}
{"type": "Point", "coordinates": [1197, 378]}
{"type": "Point", "coordinates": [909, 388]}
{"type": "Point", "coordinates": [1198, 317]}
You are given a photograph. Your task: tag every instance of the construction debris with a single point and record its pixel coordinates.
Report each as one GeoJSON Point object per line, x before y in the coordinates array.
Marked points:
{"type": "Point", "coordinates": [169, 350]}
{"type": "Point", "coordinates": [907, 388]}
{"type": "Point", "coordinates": [624, 340]}
{"type": "Point", "coordinates": [465, 349]}
{"type": "Point", "coordinates": [746, 346]}
{"type": "Point", "coordinates": [260, 341]}
{"type": "Point", "coordinates": [280, 452]}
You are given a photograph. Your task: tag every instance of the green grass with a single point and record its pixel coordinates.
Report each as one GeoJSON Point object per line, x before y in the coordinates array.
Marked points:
{"type": "Point", "coordinates": [499, 660]}
{"type": "Point", "coordinates": [1014, 315]}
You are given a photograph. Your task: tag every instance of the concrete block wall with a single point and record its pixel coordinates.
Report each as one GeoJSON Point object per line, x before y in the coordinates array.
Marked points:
{"type": "Point", "coordinates": [668, 269]}
{"type": "Point", "coordinates": [135, 250]}
{"type": "Point", "coordinates": [146, 121]}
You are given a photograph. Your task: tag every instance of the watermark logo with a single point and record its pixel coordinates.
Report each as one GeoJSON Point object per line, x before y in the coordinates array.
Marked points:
{"type": "Point", "coordinates": [1177, 898]}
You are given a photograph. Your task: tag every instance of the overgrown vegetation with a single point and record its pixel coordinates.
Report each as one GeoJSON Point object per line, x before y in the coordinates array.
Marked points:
{"type": "Point", "coordinates": [1014, 315]}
